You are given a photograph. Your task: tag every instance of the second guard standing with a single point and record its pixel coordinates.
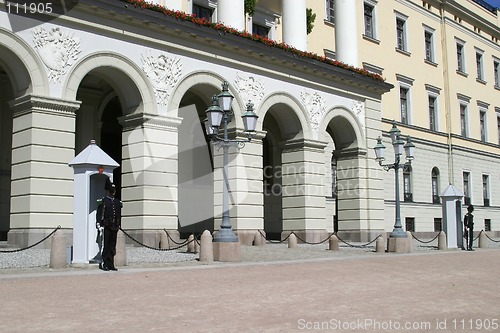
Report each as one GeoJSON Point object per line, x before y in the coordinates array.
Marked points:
{"type": "Point", "coordinates": [111, 221]}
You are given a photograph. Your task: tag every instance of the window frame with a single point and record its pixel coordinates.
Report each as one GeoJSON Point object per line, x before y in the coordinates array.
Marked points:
{"type": "Point", "coordinates": [486, 189]}
{"type": "Point", "coordinates": [466, 177]}
{"type": "Point", "coordinates": [461, 59]}
{"type": "Point", "coordinates": [496, 72]}
{"type": "Point", "coordinates": [431, 55]}
{"type": "Point", "coordinates": [405, 83]}
{"type": "Point", "coordinates": [435, 186]}
{"type": "Point", "coordinates": [402, 43]}
{"type": "Point", "coordinates": [329, 9]}
{"type": "Point", "coordinates": [480, 65]}
{"type": "Point", "coordinates": [373, 14]}
{"type": "Point", "coordinates": [483, 124]}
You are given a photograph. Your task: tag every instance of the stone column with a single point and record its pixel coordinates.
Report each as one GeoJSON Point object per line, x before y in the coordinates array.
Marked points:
{"type": "Point", "coordinates": [231, 13]}
{"type": "Point", "coordinates": [295, 23]}
{"type": "Point", "coordinates": [43, 139]}
{"type": "Point", "coordinates": [346, 32]}
{"type": "Point", "coordinates": [246, 199]}
{"type": "Point", "coordinates": [304, 203]}
{"type": "Point", "coordinates": [149, 175]}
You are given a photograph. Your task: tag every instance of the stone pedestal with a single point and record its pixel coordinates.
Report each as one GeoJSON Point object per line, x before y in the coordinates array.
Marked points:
{"type": "Point", "coordinates": [121, 250]}
{"type": "Point", "coordinates": [58, 250]}
{"type": "Point", "coordinates": [397, 244]}
{"type": "Point", "coordinates": [227, 251]}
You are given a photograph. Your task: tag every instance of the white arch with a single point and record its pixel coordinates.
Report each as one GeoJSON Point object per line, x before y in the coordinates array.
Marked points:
{"type": "Point", "coordinates": [352, 134]}
{"type": "Point", "coordinates": [23, 66]}
{"type": "Point", "coordinates": [204, 78]}
{"type": "Point", "coordinates": [297, 108]}
{"type": "Point", "coordinates": [126, 78]}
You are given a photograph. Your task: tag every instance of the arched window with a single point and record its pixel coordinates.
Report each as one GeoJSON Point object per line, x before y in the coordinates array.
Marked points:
{"type": "Point", "coordinates": [435, 185]}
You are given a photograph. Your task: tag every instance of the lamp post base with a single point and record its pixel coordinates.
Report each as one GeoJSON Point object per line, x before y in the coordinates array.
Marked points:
{"type": "Point", "coordinates": [227, 251]}
{"type": "Point", "coordinates": [398, 244]}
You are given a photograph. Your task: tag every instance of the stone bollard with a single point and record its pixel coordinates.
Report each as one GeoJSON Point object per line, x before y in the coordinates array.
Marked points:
{"type": "Point", "coordinates": [380, 245]}
{"type": "Point", "coordinates": [409, 236]}
{"type": "Point", "coordinates": [190, 246]}
{"type": "Point", "coordinates": [121, 250]}
{"type": "Point", "coordinates": [164, 240]}
{"type": "Point", "coordinates": [206, 247]}
{"type": "Point", "coordinates": [259, 238]}
{"type": "Point", "coordinates": [292, 241]}
{"type": "Point", "coordinates": [197, 245]}
{"type": "Point", "coordinates": [483, 241]}
{"type": "Point", "coordinates": [58, 250]}
{"type": "Point", "coordinates": [333, 243]}
{"type": "Point", "coordinates": [442, 241]}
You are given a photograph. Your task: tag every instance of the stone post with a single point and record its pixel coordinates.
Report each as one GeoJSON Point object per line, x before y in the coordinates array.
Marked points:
{"type": "Point", "coordinates": [292, 241]}
{"type": "Point", "coordinates": [442, 241]}
{"type": "Point", "coordinates": [380, 245]}
{"type": "Point", "coordinates": [333, 243]}
{"type": "Point", "coordinates": [164, 244]}
{"type": "Point", "coordinates": [58, 250]}
{"type": "Point", "coordinates": [259, 238]}
{"type": "Point", "coordinates": [206, 247]}
{"type": "Point", "coordinates": [483, 241]}
{"type": "Point", "coordinates": [190, 246]}
{"type": "Point", "coordinates": [409, 237]}
{"type": "Point", "coordinates": [121, 250]}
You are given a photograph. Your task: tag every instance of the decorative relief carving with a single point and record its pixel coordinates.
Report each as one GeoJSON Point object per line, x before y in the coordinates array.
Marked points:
{"type": "Point", "coordinates": [358, 108]}
{"type": "Point", "coordinates": [164, 72]}
{"type": "Point", "coordinates": [249, 88]}
{"type": "Point", "coordinates": [57, 49]}
{"type": "Point", "coordinates": [315, 106]}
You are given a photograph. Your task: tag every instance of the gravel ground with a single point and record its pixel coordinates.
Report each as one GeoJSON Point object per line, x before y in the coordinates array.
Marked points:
{"type": "Point", "coordinates": [144, 257]}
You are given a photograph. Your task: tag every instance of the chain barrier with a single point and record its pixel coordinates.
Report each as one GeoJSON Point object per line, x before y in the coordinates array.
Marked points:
{"type": "Point", "coordinates": [309, 243]}
{"type": "Point", "coordinates": [154, 248]}
{"type": "Point", "coordinates": [173, 241]}
{"type": "Point", "coordinates": [491, 239]}
{"type": "Point", "coordinates": [426, 242]}
{"type": "Point", "coordinates": [358, 246]}
{"type": "Point", "coordinates": [29, 247]}
{"type": "Point", "coordinates": [474, 239]}
{"type": "Point", "coordinates": [273, 241]}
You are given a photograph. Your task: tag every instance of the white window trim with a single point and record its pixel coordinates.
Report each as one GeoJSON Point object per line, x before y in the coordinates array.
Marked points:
{"type": "Point", "coordinates": [483, 108]}
{"type": "Point", "coordinates": [464, 55]}
{"type": "Point", "coordinates": [327, 15]}
{"type": "Point", "coordinates": [372, 68]}
{"type": "Point", "coordinates": [205, 3]}
{"type": "Point", "coordinates": [497, 80]}
{"type": "Point", "coordinates": [481, 52]}
{"type": "Point", "coordinates": [403, 17]}
{"type": "Point", "coordinates": [265, 19]}
{"type": "Point", "coordinates": [433, 45]}
{"type": "Point", "coordinates": [488, 186]}
{"type": "Point", "coordinates": [407, 83]}
{"type": "Point", "coordinates": [372, 3]}
{"type": "Point", "coordinates": [465, 101]}
{"type": "Point", "coordinates": [433, 91]}
{"type": "Point", "coordinates": [470, 185]}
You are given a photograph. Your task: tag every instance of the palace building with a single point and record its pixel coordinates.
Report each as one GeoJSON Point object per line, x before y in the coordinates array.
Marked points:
{"type": "Point", "coordinates": [138, 76]}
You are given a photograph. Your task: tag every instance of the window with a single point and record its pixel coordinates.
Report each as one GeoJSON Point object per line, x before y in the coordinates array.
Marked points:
{"type": "Point", "coordinates": [438, 224]}
{"type": "Point", "coordinates": [410, 224]}
{"type": "Point", "coordinates": [429, 45]}
{"type": "Point", "coordinates": [460, 57]}
{"type": "Point", "coordinates": [401, 34]}
{"type": "Point", "coordinates": [432, 114]}
{"type": "Point", "coordinates": [403, 101]}
{"type": "Point", "coordinates": [369, 11]}
{"type": "Point", "coordinates": [260, 30]}
{"type": "Point", "coordinates": [487, 224]}
{"type": "Point", "coordinates": [408, 195]}
{"type": "Point", "coordinates": [202, 12]}
{"type": "Point", "coordinates": [330, 11]}
{"type": "Point", "coordinates": [435, 186]}
{"type": "Point", "coordinates": [466, 181]}
{"type": "Point", "coordinates": [486, 193]}
{"type": "Point", "coordinates": [496, 70]}
{"type": "Point", "coordinates": [482, 124]}
{"type": "Point", "coordinates": [498, 127]}
{"type": "Point", "coordinates": [479, 65]}
{"type": "Point", "coordinates": [463, 120]}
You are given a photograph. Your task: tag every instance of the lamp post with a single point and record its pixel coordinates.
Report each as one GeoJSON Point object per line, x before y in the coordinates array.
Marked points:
{"type": "Point", "coordinates": [398, 145]}
{"type": "Point", "coordinates": [220, 114]}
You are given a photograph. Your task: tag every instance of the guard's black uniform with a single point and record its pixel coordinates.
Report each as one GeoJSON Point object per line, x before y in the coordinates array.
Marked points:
{"type": "Point", "coordinates": [111, 221]}
{"type": "Point", "coordinates": [469, 227]}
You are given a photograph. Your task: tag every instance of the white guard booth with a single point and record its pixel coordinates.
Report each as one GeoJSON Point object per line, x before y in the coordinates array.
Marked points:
{"type": "Point", "coordinates": [91, 167]}
{"type": "Point", "coordinates": [452, 223]}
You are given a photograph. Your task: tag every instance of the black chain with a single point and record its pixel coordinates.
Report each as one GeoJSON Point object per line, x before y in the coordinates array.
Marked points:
{"type": "Point", "coordinates": [358, 246]}
{"type": "Point", "coordinates": [426, 242]}
{"type": "Point", "coordinates": [491, 239]}
{"type": "Point", "coordinates": [154, 248]}
{"type": "Point", "coordinates": [29, 247]}
{"type": "Point", "coordinates": [170, 238]}
{"type": "Point", "coordinates": [273, 241]}
{"type": "Point", "coordinates": [312, 243]}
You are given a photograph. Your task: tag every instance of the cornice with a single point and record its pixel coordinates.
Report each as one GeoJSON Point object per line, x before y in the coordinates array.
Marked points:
{"type": "Point", "coordinates": [32, 103]}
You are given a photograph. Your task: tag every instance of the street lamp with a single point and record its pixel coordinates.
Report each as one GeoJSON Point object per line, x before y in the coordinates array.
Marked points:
{"type": "Point", "coordinates": [220, 114]}
{"type": "Point", "coordinates": [398, 145]}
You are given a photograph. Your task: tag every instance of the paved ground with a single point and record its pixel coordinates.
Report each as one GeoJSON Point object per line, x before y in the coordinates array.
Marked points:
{"type": "Point", "coordinates": [426, 291]}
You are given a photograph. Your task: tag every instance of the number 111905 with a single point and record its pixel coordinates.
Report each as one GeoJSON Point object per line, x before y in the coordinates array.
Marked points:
{"type": "Point", "coordinates": [29, 8]}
